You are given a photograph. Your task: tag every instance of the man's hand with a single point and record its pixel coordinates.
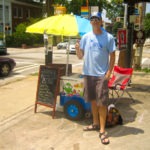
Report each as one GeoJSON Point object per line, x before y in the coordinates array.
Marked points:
{"type": "Point", "coordinates": [79, 53]}
{"type": "Point", "coordinates": [107, 75]}
{"type": "Point", "coordinates": [77, 45]}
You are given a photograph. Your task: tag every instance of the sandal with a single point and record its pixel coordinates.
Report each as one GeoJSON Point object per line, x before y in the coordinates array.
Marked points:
{"type": "Point", "coordinates": [102, 137]}
{"type": "Point", "coordinates": [92, 127]}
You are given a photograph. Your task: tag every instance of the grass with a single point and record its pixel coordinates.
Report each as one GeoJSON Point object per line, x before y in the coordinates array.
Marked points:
{"type": "Point", "coordinates": [146, 70]}
{"type": "Point", "coordinates": [35, 74]}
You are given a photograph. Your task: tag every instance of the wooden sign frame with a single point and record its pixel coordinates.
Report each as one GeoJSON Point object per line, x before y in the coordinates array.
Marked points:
{"type": "Point", "coordinates": [47, 87]}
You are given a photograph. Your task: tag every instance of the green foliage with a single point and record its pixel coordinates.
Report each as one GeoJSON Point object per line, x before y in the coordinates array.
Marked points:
{"type": "Point", "coordinates": [75, 5]}
{"type": "Point", "coordinates": [146, 70]}
{"type": "Point", "coordinates": [147, 25]}
{"type": "Point", "coordinates": [118, 1]}
{"type": "Point", "coordinates": [21, 37]}
{"type": "Point", "coordinates": [114, 9]}
{"type": "Point", "coordinates": [116, 26]}
{"type": "Point", "coordinates": [1, 36]}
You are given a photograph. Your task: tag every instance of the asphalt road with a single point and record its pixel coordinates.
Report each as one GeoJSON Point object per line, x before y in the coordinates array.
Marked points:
{"type": "Point", "coordinates": [29, 60]}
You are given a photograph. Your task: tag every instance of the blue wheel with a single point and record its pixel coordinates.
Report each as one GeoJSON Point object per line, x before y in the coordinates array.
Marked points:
{"type": "Point", "coordinates": [74, 110]}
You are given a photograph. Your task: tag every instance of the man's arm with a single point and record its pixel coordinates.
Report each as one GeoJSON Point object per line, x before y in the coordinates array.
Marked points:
{"type": "Point", "coordinates": [111, 65]}
{"type": "Point", "coordinates": [79, 52]}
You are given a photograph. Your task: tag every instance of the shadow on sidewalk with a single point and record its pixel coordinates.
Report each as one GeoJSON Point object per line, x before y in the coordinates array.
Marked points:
{"type": "Point", "coordinates": [124, 105]}
{"type": "Point", "coordinates": [120, 131]}
{"type": "Point", "coordinates": [126, 108]}
{"type": "Point", "coordinates": [140, 87]}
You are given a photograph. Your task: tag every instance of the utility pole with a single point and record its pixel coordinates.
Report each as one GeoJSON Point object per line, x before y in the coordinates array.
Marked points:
{"type": "Point", "coordinates": [49, 7]}
{"type": "Point", "coordinates": [44, 11]}
{"type": "Point", "coordinates": [4, 34]}
{"type": "Point", "coordinates": [125, 16]}
{"type": "Point", "coordinates": [139, 45]}
{"type": "Point", "coordinates": [87, 3]}
{"type": "Point", "coordinates": [130, 28]}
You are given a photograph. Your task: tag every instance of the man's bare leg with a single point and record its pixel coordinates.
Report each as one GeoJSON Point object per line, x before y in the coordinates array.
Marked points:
{"type": "Point", "coordinates": [95, 124]}
{"type": "Point", "coordinates": [95, 112]}
{"type": "Point", "coordinates": [102, 118]}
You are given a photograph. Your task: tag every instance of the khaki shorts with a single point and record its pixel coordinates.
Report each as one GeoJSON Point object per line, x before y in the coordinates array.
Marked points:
{"type": "Point", "coordinates": [96, 88]}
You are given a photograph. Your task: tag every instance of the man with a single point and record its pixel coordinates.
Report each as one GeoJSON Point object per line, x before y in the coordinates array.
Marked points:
{"type": "Point", "coordinates": [95, 48]}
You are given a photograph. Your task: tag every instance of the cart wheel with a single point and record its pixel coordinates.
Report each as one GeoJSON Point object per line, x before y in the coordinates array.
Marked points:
{"type": "Point", "coordinates": [73, 110]}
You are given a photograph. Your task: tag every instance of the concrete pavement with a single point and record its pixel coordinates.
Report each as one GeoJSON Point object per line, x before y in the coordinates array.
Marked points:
{"type": "Point", "coordinates": [21, 129]}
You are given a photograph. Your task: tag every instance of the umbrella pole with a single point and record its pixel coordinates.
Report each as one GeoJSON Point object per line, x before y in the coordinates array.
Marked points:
{"type": "Point", "coordinates": [67, 63]}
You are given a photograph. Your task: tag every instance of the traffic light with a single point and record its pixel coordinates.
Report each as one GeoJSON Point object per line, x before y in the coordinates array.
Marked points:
{"type": "Point", "coordinates": [131, 9]}
{"type": "Point", "coordinates": [7, 27]}
{"type": "Point", "coordinates": [118, 19]}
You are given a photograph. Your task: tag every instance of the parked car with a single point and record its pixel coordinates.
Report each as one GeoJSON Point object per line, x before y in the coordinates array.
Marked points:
{"type": "Point", "coordinates": [3, 48]}
{"type": "Point", "coordinates": [71, 47]}
{"type": "Point", "coordinates": [62, 45]}
{"type": "Point", "coordinates": [6, 66]}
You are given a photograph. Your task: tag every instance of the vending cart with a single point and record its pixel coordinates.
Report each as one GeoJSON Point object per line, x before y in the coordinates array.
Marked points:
{"type": "Point", "coordinates": [71, 97]}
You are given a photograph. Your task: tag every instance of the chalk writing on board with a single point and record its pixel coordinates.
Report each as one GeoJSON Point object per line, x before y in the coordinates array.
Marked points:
{"type": "Point", "coordinates": [47, 85]}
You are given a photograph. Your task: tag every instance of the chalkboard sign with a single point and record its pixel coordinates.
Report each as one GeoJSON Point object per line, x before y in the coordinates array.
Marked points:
{"type": "Point", "coordinates": [48, 85]}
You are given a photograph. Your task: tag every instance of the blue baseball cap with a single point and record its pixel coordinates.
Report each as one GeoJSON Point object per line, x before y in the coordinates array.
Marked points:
{"type": "Point", "coordinates": [96, 14]}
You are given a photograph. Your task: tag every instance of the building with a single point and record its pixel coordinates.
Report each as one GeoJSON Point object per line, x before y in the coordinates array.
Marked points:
{"type": "Point", "coordinates": [13, 12]}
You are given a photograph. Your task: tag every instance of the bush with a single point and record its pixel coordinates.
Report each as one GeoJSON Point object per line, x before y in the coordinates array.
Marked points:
{"type": "Point", "coordinates": [147, 25]}
{"type": "Point", "coordinates": [21, 37]}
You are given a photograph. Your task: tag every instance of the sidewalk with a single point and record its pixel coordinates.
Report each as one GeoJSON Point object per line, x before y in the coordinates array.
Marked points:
{"type": "Point", "coordinates": [21, 129]}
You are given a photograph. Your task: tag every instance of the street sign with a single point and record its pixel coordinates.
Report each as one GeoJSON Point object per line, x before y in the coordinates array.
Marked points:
{"type": "Point", "coordinates": [139, 37]}
{"type": "Point", "coordinates": [94, 9]}
{"type": "Point", "coordinates": [85, 12]}
{"type": "Point", "coordinates": [122, 39]}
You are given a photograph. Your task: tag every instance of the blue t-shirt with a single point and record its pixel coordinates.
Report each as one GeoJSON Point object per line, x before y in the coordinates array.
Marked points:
{"type": "Point", "coordinates": [96, 50]}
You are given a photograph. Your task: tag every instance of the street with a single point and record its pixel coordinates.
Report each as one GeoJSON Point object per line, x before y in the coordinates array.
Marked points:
{"type": "Point", "coordinates": [29, 60]}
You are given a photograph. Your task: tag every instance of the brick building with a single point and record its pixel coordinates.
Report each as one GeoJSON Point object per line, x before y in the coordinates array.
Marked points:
{"type": "Point", "coordinates": [13, 12]}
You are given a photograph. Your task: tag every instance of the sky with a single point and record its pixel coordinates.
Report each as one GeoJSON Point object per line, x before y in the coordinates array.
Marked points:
{"type": "Point", "coordinates": [148, 8]}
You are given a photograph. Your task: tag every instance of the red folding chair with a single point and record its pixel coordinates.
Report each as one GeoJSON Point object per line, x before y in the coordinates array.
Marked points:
{"type": "Point", "coordinates": [119, 82]}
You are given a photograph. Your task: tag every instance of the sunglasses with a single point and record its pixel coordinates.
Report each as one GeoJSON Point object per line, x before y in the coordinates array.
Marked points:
{"type": "Point", "coordinates": [94, 19]}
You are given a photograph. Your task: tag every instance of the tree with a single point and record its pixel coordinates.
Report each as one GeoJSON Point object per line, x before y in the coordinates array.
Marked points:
{"type": "Point", "coordinates": [115, 27]}
{"type": "Point", "coordinates": [74, 6]}
{"type": "Point", "coordinates": [114, 9]}
{"type": "Point", "coordinates": [147, 25]}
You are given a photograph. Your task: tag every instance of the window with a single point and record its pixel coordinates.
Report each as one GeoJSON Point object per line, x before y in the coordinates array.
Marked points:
{"type": "Point", "coordinates": [1, 13]}
{"type": "Point", "coordinates": [27, 13]}
{"type": "Point", "coordinates": [15, 12]}
{"type": "Point", "coordinates": [7, 17]}
{"type": "Point", "coordinates": [20, 13]}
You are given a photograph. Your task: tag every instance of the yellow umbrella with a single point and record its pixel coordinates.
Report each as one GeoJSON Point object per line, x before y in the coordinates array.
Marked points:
{"type": "Point", "coordinates": [64, 24]}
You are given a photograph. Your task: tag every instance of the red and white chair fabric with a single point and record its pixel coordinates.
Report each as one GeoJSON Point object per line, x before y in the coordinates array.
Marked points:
{"type": "Point", "coordinates": [119, 81]}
